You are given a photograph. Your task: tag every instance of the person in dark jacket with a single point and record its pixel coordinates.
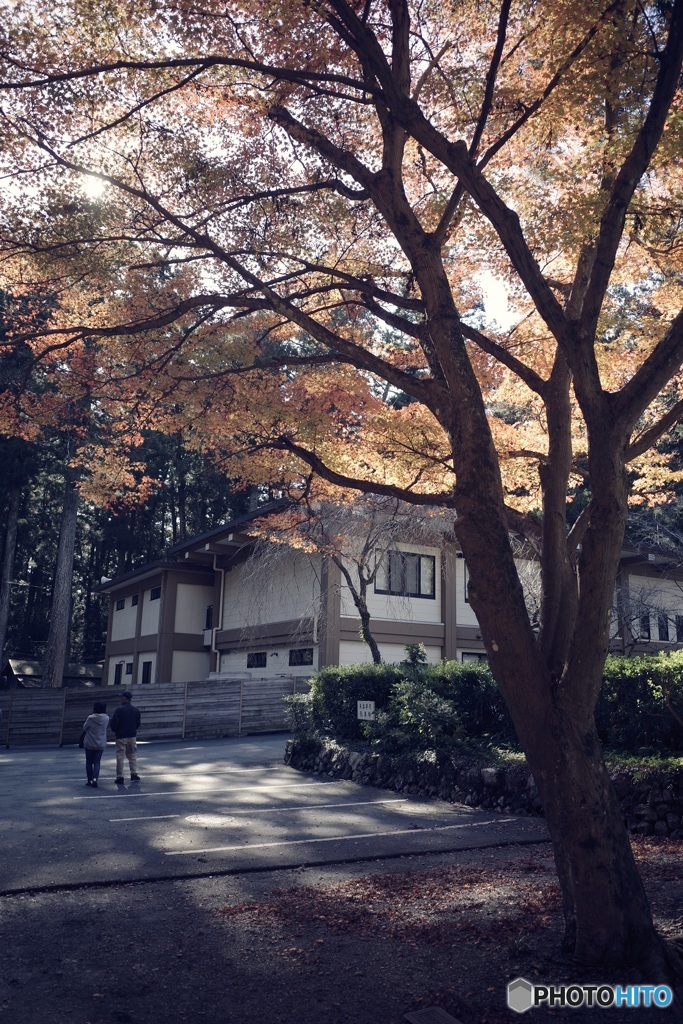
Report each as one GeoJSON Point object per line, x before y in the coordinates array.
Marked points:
{"type": "Point", "coordinates": [95, 741]}
{"type": "Point", "coordinates": [125, 723]}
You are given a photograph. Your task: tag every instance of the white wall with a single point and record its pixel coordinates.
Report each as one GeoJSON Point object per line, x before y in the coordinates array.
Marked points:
{"type": "Point", "coordinates": [109, 679]}
{"type": "Point", "coordinates": [463, 609]}
{"type": "Point", "coordinates": [147, 656]}
{"type": "Point", "coordinates": [355, 652]}
{"type": "Point", "coordinates": [150, 615]}
{"type": "Point", "coordinates": [648, 594]}
{"type": "Point", "coordinates": [277, 663]}
{"type": "Point", "coordinates": [390, 606]}
{"type": "Point", "coordinates": [123, 621]}
{"type": "Point", "coordinates": [191, 604]}
{"type": "Point", "coordinates": [189, 666]}
{"type": "Point", "coordinates": [259, 593]}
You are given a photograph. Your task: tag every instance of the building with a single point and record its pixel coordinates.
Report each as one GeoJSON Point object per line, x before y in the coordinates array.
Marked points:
{"type": "Point", "coordinates": [217, 608]}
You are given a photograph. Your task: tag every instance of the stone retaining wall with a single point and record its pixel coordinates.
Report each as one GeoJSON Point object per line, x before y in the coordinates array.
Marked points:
{"type": "Point", "coordinates": [652, 804]}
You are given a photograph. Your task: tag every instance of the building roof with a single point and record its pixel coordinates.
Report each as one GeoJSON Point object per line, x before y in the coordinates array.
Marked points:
{"type": "Point", "coordinates": [144, 572]}
{"type": "Point", "coordinates": [234, 526]}
{"type": "Point", "coordinates": [206, 543]}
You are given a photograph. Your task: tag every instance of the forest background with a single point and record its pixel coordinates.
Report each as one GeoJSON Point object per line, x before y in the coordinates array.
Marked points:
{"type": "Point", "coordinates": [185, 496]}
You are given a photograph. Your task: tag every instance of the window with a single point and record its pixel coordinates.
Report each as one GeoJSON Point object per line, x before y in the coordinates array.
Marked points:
{"type": "Point", "coordinates": [645, 627]}
{"type": "Point", "coordinates": [147, 672]}
{"type": "Point", "coordinates": [208, 621]}
{"type": "Point", "coordinates": [155, 593]}
{"type": "Point", "coordinates": [134, 600]}
{"type": "Point", "coordinates": [679, 629]}
{"type": "Point", "coordinates": [472, 656]}
{"type": "Point", "coordinates": [129, 668]}
{"type": "Point", "coordinates": [301, 656]}
{"type": "Point", "coordinates": [120, 604]}
{"type": "Point", "coordinates": [118, 669]}
{"type": "Point", "coordinates": [406, 575]}
{"type": "Point", "coordinates": [662, 627]}
{"type": "Point", "coordinates": [257, 659]}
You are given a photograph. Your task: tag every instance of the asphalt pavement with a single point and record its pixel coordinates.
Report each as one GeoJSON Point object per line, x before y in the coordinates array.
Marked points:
{"type": "Point", "coordinates": [214, 807]}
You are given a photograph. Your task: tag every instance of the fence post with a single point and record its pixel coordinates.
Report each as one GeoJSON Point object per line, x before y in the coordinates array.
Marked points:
{"type": "Point", "coordinates": [239, 717]}
{"type": "Point", "coordinates": [9, 717]}
{"type": "Point", "coordinates": [61, 724]}
{"type": "Point", "coordinates": [182, 735]}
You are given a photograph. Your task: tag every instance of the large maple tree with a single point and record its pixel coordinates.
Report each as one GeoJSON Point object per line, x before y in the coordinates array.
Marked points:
{"type": "Point", "coordinates": [302, 204]}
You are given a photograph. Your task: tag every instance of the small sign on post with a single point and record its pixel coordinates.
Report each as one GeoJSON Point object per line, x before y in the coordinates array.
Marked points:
{"type": "Point", "coordinates": [366, 710]}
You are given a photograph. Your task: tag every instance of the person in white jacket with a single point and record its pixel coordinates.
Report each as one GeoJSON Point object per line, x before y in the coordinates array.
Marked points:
{"type": "Point", "coordinates": [94, 741]}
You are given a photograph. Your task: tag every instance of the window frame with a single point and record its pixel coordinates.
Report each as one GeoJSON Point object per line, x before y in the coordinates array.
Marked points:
{"type": "Point", "coordinates": [257, 659]}
{"type": "Point", "coordinates": [400, 588]}
{"type": "Point", "coordinates": [306, 660]}
{"type": "Point", "coordinates": [155, 593]}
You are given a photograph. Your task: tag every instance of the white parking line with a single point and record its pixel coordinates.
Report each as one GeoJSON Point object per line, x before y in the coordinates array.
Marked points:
{"type": "Point", "coordinates": [269, 810]}
{"type": "Point", "coordinates": [211, 796]}
{"type": "Point", "coordinates": [335, 839]}
{"type": "Point", "coordinates": [149, 817]}
{"type": "Point", "coordinates": [156, 776]}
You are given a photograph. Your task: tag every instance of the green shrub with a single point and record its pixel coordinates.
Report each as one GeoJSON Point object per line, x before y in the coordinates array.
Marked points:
{"type": "Point", "coordinates": [640, 701]}
{"type": "Point", "coordinates": [335, 691]}
{"type": "Point", "coordinates": [421, 706]}
{"type": "Point", "coordinates": [482, 712]}
{"type": "Point", "coordinates": [300, 713]}
{"type": "Point", "coordinates": [414, 666]}
{"type": "Point", "coordinates": [416, 718]}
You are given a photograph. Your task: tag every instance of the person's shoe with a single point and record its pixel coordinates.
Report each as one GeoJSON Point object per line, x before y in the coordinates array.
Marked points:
{"type": "Point", "coordinates": [120, 780]}
{"type": "Point", "coordinates": [94, 783]}
{"type": "Point", "coordinates": [88, 783]}
{"type": "Point", "coordinates": [135, 778]}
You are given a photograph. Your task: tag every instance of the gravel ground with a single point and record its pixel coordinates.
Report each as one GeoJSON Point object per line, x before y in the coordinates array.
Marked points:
{"type": "Point", "coordinates": [363, 944]}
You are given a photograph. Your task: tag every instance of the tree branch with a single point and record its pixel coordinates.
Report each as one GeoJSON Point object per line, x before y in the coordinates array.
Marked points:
{"type": "Point", "coordinates": [366, 486]}
{"type": "Point", "coordinates": [650, 437]}
{"type": "Point", "coordinates": [631, 172]}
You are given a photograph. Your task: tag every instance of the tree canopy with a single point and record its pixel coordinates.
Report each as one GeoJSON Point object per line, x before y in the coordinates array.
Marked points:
{"type": "Point", "coordinates": [289, 201]}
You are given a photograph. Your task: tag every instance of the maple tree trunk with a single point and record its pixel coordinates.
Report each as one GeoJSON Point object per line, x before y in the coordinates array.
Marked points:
{"type": "Point", "coordinates": [607, 916]}
{"type": "Point", "coordinates": [60, 610]}
{"type": "Point", "coordinates": [608, 922]}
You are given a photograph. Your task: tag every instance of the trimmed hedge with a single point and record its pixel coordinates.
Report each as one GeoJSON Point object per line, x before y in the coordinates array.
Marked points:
{"type": "Point", "coordinates": [640, 708]}
{"type": "Point", "coordinates": [442, 705]}
{"type": "Point", "coordinates": [481, 709]}
{"type": "Point", "coordinates": [335, 691]}
{"type": "Point", "coordinates": [639, 711]}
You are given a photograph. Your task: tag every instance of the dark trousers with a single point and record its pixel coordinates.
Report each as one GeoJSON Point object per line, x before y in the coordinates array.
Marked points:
{"type": "Point", "coordinates": [92, 763]}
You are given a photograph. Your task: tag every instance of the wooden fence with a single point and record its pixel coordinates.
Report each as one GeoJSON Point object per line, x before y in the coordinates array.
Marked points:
{"type": "Point", "coordinates": [220, 707]}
